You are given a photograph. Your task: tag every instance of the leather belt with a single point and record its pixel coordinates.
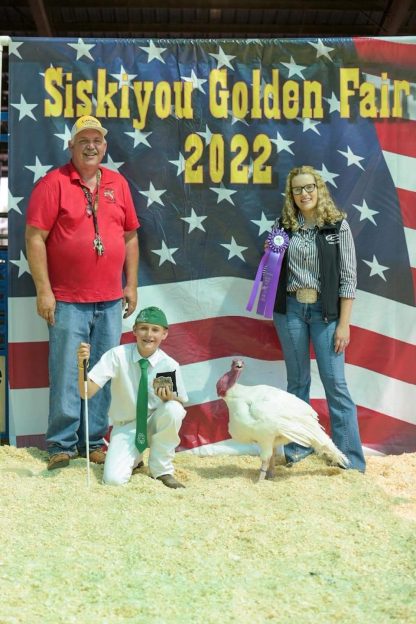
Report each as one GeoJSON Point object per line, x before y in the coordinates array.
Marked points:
{"type": "Point", "coordinates": [305, 295]}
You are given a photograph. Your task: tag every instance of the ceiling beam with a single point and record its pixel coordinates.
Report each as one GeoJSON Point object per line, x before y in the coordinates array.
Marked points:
{"type": "Point", "coordinates": [195, 29]}
{"type": "Point", "coordinates": [395, 16]}
{"type": "Point", "coordinates": [40, 17]}
{"type": "Point", "coordinates": [303, 5]}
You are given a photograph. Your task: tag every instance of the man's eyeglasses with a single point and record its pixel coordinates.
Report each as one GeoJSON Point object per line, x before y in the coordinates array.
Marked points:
{"type": "Point", "coordinates": [309, 188]}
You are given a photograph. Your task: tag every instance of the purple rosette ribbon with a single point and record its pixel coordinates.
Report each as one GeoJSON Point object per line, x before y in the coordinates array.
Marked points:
{"type": "Point", "coordinates": [268, 273]}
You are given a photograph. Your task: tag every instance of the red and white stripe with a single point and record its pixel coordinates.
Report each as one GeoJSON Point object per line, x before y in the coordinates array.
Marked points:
{"type": "Point", "coordinates": [207, 331]}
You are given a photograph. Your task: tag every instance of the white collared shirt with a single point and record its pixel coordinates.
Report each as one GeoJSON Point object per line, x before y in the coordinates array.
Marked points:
{"type": "Point", "coordinates": [121, 365]}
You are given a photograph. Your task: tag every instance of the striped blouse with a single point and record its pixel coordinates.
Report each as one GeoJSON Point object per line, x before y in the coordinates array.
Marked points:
{"type": "Point", "coordinates": [303, 262]}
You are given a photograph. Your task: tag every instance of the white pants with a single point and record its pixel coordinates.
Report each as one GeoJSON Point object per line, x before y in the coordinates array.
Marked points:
{"type": "Point", "coordinates": [163, 435]}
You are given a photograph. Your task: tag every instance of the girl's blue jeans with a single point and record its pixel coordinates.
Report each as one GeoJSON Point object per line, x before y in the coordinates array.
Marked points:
{"type": "Point", "coordinates": [301, 325]}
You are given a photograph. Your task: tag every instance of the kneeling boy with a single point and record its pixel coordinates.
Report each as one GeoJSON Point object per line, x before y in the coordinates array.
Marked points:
{"type": "Point", "coordinates": [147, 397]}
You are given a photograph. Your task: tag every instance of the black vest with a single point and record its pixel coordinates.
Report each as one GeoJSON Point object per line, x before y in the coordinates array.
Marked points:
{"type": "Point", "coordinates": [327, 240]}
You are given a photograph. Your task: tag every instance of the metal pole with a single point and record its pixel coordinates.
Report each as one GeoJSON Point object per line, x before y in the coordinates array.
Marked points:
{"type": "Point", "coordinates": [4, 42]}
{"type": "Point", "coordinates": [86, 425]}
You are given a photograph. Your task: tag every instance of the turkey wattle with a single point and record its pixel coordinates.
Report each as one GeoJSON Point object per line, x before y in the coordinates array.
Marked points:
{"type": "Point", "coordinates": [270, 416]}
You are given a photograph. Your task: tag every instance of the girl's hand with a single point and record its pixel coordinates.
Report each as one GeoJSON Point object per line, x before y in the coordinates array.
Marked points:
{"type": "Point", "coordinates": [341, 338]}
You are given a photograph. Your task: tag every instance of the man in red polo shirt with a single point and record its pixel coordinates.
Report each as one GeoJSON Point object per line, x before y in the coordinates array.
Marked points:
{"type": "Point", "coordinates": [81, 236]}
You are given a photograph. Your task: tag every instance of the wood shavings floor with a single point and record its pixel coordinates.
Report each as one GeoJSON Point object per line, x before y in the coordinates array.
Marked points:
{"type": "Point", "coordinates": [314, 544]}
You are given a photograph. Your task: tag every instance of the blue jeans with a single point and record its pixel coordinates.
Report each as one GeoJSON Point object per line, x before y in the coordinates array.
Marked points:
{"type": "Point", "coordinates": [302, 324]}
{"type": "Point", "coordinates": [100, 325]}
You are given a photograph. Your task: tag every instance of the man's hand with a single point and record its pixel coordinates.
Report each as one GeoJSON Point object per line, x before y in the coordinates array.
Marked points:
{"type": "Point", "coordinates": [46, 305]}
{"type": "Point", "coordinates": [129, 300]}
{"type": "Point", "coordinates": [83, 353]}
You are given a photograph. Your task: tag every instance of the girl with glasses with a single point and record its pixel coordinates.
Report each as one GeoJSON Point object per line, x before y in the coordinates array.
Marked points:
{"type": "Point", "coordinates": [314, 302]}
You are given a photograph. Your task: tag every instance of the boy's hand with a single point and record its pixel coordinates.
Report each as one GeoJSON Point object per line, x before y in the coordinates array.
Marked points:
{"type": "Point", "coordinates": [83, 353]}
{"type": "Point", "coordinates": [164, 394]}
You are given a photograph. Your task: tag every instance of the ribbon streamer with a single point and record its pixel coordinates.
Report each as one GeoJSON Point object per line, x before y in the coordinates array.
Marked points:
{"type": "Point", "coordinates": [268, 273]}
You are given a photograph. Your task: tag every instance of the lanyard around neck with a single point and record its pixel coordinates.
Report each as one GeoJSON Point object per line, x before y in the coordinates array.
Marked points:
{"type": "Point", "coordinates": [92, 210]}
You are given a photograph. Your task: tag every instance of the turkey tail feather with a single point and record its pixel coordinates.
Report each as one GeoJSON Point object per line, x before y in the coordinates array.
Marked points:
{"type": "Point", "coordinates": [309, 432]}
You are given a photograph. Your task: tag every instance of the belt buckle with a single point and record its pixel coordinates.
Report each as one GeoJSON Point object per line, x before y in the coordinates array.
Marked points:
{"type": "Point", "coordinates": [306, 295]}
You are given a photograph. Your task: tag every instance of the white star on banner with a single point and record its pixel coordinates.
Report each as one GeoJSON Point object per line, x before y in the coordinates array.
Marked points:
{"type": "Point", "coordinates": [223, 58]}
{"type": "Point", "coordinates": [110, 164]}
{"type": "Point", "coordinates": [207, 135]}
{"type": "Point", "coordinates": [281, 143]}
{"type": "Point", "coordinates": [376, 268]}
{"type": "Point", "coordinates": [14, 48]}
{"type": "Point", "coordinates": [43, 73]}
{"type": "Point", "coordinates": [223, 194]}
{"type": "Point", "coordinates": [173, 112]}
{"type": "Point", "coordinates": [250, 168]}
{"type": "Point", "coordinates": [234, 249]}
{"type": "Point", "coordinates": [235, 119]}
{"type": "Point", "coordinates": [165, 253]}
{"type": "Point", "coordinates": [24, 108]}
{"type": "Point", "coordinates": [83, 49]}
{"type": "Point", "coordinates": [154, 52]}
{"type": "Point", "coordinates": [195, 221]}
{"type": "Point", "coordinates": [196, 82]}
{"type": "Point", "coordinates": [13, 203]}
{"type": "Point", "coordinates": [321, 49]}
{"type": "Point", "coordinates": [327, 176]}
{"type": "Point", "coordinates": [334, 103]}
{"type": "Point", "coordinates": [366, 212]}
{"type": "Point", "coordinates": [262, 87]}
{"type": "Point", "coordinates": [294, 68]}
{"type": "Point", "coordinates": [123, 77]}
{"type": "Point", "coordinates": [65, 137]}
{"type": "Point", "coordinates": [22, 264]}
{"type": "Point", "coordinates": [352, 159]}
{"type": "Point", "coordinates": [309, 124]}
{"type": "Point", "coordinates": [180, 164]}
{"type": "Point", "coordinates": [139, 137]}
{"type": "Point", "coordinates": [38, 169]}
{"type": "Point", "coordinates": [153, 195]}
{"type": "Point", "coordinates": [264, 225]}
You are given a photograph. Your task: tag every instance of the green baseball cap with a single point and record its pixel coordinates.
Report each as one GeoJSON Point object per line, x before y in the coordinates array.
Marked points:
{"type": "Point", "coordinates": [153, 316]}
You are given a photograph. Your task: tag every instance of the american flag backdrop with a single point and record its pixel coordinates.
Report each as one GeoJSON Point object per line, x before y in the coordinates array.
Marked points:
{"type": "Point", "coordinates": [205, 133]}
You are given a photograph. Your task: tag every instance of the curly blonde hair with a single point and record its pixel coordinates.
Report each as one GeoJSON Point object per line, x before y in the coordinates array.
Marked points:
{"type": "Point", "coordinates": [326, 211]}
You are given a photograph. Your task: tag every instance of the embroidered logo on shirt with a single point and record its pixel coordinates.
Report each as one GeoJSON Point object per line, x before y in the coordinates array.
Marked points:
{"type": "Point", "coordinates": [333, 239]}
{"type": "Point", "coordinates": [110, 195]}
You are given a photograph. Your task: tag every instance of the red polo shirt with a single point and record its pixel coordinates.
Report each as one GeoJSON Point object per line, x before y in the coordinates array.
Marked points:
{"type": "Point", "coordinates": [58, 204]}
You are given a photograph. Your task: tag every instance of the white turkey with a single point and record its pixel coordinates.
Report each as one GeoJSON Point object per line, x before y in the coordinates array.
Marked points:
{"type": "Point", "coordinates": [269, 417]}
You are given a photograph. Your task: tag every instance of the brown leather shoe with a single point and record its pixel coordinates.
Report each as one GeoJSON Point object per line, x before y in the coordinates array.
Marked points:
{"type": "Point", "coordinates": [170, 481]}
{"type": "Point", "coordinates": [59, 460]}
{"type": "Point", "coordinates": [97, 456]}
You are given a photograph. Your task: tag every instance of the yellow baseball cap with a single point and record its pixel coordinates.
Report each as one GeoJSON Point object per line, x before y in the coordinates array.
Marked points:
{"type": "Point", "coordinates": [87, 122]}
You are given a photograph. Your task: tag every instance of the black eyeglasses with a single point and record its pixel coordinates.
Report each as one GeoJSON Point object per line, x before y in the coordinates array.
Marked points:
{"type": "Point", "coordinates": [309, 188]}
